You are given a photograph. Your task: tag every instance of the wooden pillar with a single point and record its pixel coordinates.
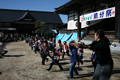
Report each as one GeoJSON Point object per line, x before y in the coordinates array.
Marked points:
{"type": "Point", "coordinates": [117, 21]}
{"type": "Point", "coordinates": [79, 26]}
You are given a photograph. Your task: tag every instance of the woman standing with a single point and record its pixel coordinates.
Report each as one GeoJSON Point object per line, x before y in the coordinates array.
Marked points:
{"type": "Point", "coordinates": [102, 50]}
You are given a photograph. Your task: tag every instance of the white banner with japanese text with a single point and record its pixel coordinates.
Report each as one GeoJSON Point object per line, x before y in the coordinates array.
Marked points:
{"type": "Point", "coordinates": [106, 13]}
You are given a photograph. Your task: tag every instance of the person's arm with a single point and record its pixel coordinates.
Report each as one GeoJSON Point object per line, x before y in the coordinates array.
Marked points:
{"type": "Point", "coordinates": [75, 44]}
{"type": "Point", "coordinates": [97, 46]}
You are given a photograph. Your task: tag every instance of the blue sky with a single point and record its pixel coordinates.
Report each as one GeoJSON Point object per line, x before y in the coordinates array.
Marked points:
{"type": "Point", "coordinates": [36, 5]}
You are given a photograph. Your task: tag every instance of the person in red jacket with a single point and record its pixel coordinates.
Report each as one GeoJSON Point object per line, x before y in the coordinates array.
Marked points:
{"type": "Point", "coordinates": [44, 54]}
{"type": "Point", "coordinates": [65, 49]}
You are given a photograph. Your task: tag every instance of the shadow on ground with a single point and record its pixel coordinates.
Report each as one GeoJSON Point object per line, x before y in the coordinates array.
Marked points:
{"type": "Point", "coordinates": [14, 55]}
{"type": "Point", "coordinates": [116, 71]}
{"type": "Point", "coordinates": [64, 63]}
{"type": "Point", "coordinates": [89, 66]}
{"type": "Point", "coordinates": [83, 75]}
{"type": "Point", "coordinates": [87, 61]}
{"type": "Point", "coordinates": [0, 73]}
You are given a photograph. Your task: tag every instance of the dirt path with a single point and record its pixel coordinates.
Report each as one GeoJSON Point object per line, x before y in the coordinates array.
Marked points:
{"type": "Point", "coordinates": [20, 63]}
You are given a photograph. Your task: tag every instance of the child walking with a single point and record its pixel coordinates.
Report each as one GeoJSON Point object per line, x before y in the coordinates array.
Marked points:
{"type": "Point", "coordinates": [56, 56]}
{"type": "Point", "coordinates": [94, 60]}
{"type": "Point", "coordinates": [60, 46]}
{"type": "Point", "coordinates": [36, 46]}
{"type": "Point", "coordinates": [44, 54]}
{"type": "Point", "coordinates": [65, 49]}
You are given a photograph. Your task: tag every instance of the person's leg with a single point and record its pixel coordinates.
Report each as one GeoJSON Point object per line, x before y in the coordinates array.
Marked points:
{"type": "Point", "coordinates": [63, 54]}
{"type": "Point", "coordinates": [59, 65]}
{"type": "Point", "coordinates": [31, 46]}
{"type": "Point", "coordinates": [68, 53]}
{"type": "Point", "coordinates": [50, 55]}
{"type": "Point", "coordinates": [71, 70]}
{"type": "Point", "coordinates": [97, 72]}
{"type": "Point", "coordinates": [50, 67]}
{"type": "Point", "coordinates": [35, 49]}
{"type": "Point", "coordinates": [43, 59]}
{"type": "Point", "coordinates": [94, 65]}
{"type": "Point", "coordinates": [74, 69]}
{"type": "Point", "coordinates": [78, 62]}
{"type": "Point", "coordinates": [106, 72]}
{"type": "Point", "coordinates": [81, 57]}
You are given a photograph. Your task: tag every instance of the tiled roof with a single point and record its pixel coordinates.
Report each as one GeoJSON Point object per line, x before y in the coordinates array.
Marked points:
{"type": "Point", "coordinates": [8, 15]}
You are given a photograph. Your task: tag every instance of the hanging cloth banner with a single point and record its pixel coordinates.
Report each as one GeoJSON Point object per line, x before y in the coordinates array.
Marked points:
{"type": "Point", "coordinates": [106, 13]}
{"type": "Point", "coordinates": [72, 25]}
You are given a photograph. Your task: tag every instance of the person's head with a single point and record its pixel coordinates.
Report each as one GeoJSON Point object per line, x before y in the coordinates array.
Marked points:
{"type": "Point", "coordinates": [45, 44]}
{"type": "Point", "coordinates": [71, 46]}
{"type": "Point", "coordinates": [99, 34]}
{"type": "Point", "coordinates": [35, 39]}
{"type": "Point", "coordinates": [53, 39]}
{"type": "Point", "coordinates": [49, 39]}
{"type": "Point", "coordinates": [53, 50]}
{"type": "Point", "coordinates": [59, 41]}
{"type": "Point", "coordinates": [64, 42]}
{"type": "Point", "coordinates": [43, 37]}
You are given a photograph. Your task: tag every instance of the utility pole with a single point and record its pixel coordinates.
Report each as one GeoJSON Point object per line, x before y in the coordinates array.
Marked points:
{"type": "Point", "coordinates": [117, 21]}
{"type": "Point", "coordinates": [79, 27]}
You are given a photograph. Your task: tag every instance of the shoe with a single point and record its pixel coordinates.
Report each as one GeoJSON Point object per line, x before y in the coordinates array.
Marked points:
{"type": "Point", "coordinates": [69, 77]}
{"type": "Point", "coordinates": [82, 62]}
{"type": "Point", "coordinates": [42, 64]}
{"type": "Point", "coordinates": [76, 74]}
{"type": "Point", "coordinates": [48, 69]}
{"type": "Point", "coordinates": [61, 69]}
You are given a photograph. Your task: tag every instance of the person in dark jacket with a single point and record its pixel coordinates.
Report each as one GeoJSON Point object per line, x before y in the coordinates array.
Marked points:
{"type": "Point", "coordinates": [60, 46]}
{"type": "Point", "coordinates": [101, 47]}
{"type": "Point", "coordinates": [73, 59]}
{"type": "Point", "coordinates": [44, 53]}
{"type": "Point", "coordinates": [102, 50]}
{"type": "Point", "coordinates": [56, 56]}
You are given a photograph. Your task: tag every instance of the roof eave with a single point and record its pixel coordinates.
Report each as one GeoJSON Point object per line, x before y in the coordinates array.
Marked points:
{"type": "Point", "coordinates": [81, 5]}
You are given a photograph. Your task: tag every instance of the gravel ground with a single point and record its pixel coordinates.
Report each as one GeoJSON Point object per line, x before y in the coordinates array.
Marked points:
{"type": "Point", "coordinates": [20, 63]}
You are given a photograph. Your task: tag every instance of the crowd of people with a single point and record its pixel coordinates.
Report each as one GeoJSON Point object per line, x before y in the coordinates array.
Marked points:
{"type": "Point", "coordinates": [11, 37]}
{"type": "Point", "coordinates": [47, 48]}
{"type": "Point", "coordinates": [101, 56]}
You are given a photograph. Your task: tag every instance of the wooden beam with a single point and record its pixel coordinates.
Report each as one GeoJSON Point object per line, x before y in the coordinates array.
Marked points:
{"type": "Point", "coordinates": [79, 26]}
{"type": "Point", "coordinates": [117, 19]}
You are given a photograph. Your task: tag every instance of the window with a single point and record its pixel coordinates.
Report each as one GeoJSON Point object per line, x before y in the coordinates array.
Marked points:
{"type": "Point", "coordinates": [72, 15]}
